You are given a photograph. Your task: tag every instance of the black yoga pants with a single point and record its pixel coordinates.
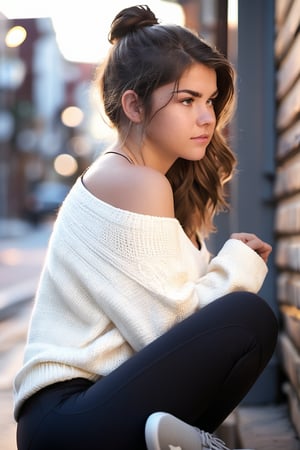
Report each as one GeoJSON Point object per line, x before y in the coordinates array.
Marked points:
{"type": "Point", "coordinates": [199, 371]}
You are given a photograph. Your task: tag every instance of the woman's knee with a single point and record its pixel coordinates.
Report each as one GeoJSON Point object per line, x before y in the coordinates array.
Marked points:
{"type": "Point", "coordinates": [260, 317]}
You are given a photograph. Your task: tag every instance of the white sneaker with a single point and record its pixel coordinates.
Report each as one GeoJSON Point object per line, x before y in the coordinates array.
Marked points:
{"type": "Point", "coordinates": [166, 432]}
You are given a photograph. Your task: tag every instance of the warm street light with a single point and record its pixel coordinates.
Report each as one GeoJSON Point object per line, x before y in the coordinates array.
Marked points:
{"type": "Point", "coordinates": [65, 165]}
{"type": "Point", "coordinates": [72, 116]}
{"type": "Point", "coordinates": [15, 36]}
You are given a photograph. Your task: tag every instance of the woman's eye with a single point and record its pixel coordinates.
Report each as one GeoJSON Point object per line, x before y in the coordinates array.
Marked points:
{"type": "Point", "coordinates": [211, 101]}
{"type": "Point", "coordinates": [187, 101]}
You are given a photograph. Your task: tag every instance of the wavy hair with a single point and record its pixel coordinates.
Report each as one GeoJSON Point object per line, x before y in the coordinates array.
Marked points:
{"type": "Point", "coordinates": [146, 55]}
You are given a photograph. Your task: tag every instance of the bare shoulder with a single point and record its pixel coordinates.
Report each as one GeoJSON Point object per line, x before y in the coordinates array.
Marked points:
{"type": "Point", "coordinates": [138, 189]}
{"type": "Point", "coordinates": [151, 193]}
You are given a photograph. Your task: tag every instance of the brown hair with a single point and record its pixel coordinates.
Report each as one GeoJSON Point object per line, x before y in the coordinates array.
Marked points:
{"type": "Point", "coordinates": [146, 55]}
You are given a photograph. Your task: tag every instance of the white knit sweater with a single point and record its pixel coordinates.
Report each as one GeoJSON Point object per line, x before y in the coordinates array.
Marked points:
{"type": "Point", "coordinates": [112, 282]}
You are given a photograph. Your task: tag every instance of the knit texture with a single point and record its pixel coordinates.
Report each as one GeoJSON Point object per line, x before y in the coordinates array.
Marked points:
{"type": "Point", "coordinates": [112, 282]}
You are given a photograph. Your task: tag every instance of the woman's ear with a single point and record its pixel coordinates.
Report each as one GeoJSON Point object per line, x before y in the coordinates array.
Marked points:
{"type": "Point", "coordinates": [132, 106]}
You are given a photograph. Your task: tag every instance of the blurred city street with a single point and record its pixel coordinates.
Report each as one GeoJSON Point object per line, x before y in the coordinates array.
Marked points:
{"type": "Point", "coordinates": [22, 252]}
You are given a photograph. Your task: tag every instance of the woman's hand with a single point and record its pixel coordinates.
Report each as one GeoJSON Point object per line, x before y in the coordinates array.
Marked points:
{"type": "Point", "coordinates": [260, 247]}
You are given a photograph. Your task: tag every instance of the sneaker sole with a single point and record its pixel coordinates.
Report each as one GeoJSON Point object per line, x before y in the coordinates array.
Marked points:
{"type": "Point", "coordinates": [165, 432]}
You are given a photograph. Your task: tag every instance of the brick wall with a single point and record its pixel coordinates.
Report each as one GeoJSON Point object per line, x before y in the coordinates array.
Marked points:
{"type": "Point", "coordinates": [287, 194]}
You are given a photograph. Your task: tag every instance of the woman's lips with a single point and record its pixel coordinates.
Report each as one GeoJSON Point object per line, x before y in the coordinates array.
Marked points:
{"type": "Point", "coordinates": [202, 138]}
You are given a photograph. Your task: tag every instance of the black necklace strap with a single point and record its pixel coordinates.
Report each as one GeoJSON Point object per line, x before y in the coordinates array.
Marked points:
{"type": "Point", "coordinates": [120, 154]}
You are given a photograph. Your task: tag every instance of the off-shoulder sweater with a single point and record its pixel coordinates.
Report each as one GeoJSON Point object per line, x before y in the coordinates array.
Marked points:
{"type": "Point", "coordinates": [112, 282]}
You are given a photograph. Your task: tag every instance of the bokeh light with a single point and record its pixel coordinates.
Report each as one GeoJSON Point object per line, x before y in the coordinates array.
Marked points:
{"type": "Point", "coordinates": [65, 165]}
{"type": "Point", "coordinates": [15, 36]}
{"type": "Point", "coordinates": [72, 116]}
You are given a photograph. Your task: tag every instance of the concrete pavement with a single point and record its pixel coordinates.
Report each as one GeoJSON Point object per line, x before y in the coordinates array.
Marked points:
{"type": "Point", "coordinates": [22, 252]}
{"type": "Point", "coordinates": [12, 340]}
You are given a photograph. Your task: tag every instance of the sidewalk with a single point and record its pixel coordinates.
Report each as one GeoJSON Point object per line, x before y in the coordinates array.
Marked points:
{"type": "Point", "coordinates": [22, 252]}
{"type": "Point", "coordinates": [12, 341]}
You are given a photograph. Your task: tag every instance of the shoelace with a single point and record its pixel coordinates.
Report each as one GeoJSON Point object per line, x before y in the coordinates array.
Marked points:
{"type": "Point", "coordinates": [211, 442]}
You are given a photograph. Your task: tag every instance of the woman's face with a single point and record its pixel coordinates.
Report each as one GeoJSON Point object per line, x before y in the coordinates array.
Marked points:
{"type": "Point", "coordinates": [183, 118]}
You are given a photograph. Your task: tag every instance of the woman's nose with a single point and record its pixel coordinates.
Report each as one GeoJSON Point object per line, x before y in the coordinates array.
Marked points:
{"type": "Point", "coordinates": [206, 116]}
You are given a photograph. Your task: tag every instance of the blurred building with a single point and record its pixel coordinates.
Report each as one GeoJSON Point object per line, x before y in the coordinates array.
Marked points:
{"type": "Point", "coordinates": [44, 112]}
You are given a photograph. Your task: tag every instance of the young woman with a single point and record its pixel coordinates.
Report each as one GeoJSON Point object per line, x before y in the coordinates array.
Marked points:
{"type": "Point", "coordinates": [137, 335]}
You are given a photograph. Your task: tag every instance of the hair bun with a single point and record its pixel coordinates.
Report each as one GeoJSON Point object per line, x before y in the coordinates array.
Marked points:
{"type": "Point", "coordinates": [129, 20]}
